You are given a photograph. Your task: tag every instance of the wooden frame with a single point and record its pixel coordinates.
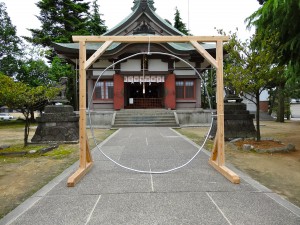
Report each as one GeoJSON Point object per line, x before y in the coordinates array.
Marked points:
{"type": "Point", "coordinates": [105, 89]}
{"type": "Point", "coordinates": [217, 159]}
{"type": "Point", "coordinates": [184, 88]}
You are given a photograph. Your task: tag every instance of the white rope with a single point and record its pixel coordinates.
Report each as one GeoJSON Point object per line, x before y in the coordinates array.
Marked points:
{"type": "Point", "coordinates": [150, 171]}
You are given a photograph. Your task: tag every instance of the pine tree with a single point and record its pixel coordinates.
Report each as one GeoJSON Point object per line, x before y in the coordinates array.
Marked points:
{"type": "Point", "coordinates": [60, 20]}
{"type": "Point", "coordinates": [178, 24]}
{"type": "Point", "coordinates": [95, 24]}
{"type": "Point", "coordinates": [10, 50]}
{"type": "Point", "coordinates": [262, 1]}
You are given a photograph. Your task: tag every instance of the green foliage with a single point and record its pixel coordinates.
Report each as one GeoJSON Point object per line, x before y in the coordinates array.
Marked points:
{"type": "Point", "coordinates": [59, 68]}
{"type": "Point", "coordinates": [60, 153]}
{"type": "Point", "coordinates": [209, 77]}
{"type": "Point", "coordinates": [60, 20]}
{"type": "Point", "coordinates": [10, 50]}
{"type": "Point", "coordinates": [25, 99]}
{"type": "Point", "coordinates": [20, 96]}
{"type": "Point", "coordinates": [279, 19]}
{"type": "Point", "coordinates": [34, 73]}
{"type": "Point", "coordinates": [249, 70]}
{"type": "Point", "coordinates": [178, 24]}
{"type": "Point", "coordinates": [95, 25]}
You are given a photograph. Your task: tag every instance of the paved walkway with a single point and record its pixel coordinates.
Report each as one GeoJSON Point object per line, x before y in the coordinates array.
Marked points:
{"type": "Point", "coordinates": [196, 194]}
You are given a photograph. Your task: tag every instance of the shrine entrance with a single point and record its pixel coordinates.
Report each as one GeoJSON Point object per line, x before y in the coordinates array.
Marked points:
{"type": "Point", "coordinates": [144, 96]}
{"type": "Point", "coordinates": [217, 158]}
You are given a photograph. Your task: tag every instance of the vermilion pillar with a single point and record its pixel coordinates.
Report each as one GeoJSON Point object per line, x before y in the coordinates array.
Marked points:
{"type": "Point", "coordinates": [170, 94]}
{"type": "Point", "coordinates": [118, 92]}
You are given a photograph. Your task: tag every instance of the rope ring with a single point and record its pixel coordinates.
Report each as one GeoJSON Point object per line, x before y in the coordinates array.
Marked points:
{"type": "Point", "coordinates": [149, 171]}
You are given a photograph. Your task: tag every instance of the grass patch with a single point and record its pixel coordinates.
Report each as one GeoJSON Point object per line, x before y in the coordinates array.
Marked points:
{"type": "Point", "coordinates": [100, 135]}
{"type": "Point", "coordinates": [62, 151]}
{"type": "Point", "coordinates": [11, 124]}
{"type": "Point", "coordinates": [27, 174]}
{"type": "Point", "coordinates": [8, 160]}
{"type": "Point", "coordinates": [197, 135]}
{"type": "Point", "coordinates": [21, 148]}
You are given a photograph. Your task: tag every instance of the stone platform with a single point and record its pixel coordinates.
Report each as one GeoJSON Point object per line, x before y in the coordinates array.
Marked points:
{"type": "Point", "coordinates": [58, 124]}
{"type": "Point", "coordinates": [238, 122]}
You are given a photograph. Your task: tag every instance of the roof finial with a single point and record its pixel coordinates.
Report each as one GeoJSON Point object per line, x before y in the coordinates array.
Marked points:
{"type": "Point", "coordinates": [149, 3]}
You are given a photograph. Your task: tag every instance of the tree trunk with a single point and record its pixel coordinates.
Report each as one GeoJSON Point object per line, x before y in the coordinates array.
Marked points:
{"type": "Point", "coordinates": [280, 109]}
{"type": "Point", "coordinates": [26, 130]}
{"type": "Point", "coordinates": [257, 117]}
{"type": "Point", "coordinates": [32, 119]}
{"type": "Point", "coordinates": [272, 101]}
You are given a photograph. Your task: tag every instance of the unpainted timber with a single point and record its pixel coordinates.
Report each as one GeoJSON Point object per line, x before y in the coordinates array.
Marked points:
{"type": "Point", "coordinates": [150, 39]}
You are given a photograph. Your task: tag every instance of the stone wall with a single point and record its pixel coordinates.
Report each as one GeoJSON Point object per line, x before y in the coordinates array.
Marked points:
{"type": "Point", "coordinates": [193, 117]}
{"type": "Point", "coordinates": [100, 119]}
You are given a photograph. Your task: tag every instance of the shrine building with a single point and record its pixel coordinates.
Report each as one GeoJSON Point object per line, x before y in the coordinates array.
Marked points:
{"type": "Point", "coordinates": [146, 80]}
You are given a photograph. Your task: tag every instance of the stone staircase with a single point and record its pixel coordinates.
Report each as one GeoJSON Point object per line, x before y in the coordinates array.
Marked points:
{"type": "Point", "coordinates": [145, 118]}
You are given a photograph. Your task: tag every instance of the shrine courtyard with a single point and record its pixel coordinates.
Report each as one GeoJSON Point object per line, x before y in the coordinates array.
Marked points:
{"type": "Point", "coordinates": [194, 194]}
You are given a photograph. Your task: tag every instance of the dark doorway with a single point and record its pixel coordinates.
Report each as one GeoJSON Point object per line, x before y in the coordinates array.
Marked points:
{"type": "Point", "coordinates": [152, 97]}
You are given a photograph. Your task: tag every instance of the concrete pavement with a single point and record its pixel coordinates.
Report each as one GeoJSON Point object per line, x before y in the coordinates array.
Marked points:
{"type": "Point", "coordinates": [195, 194]}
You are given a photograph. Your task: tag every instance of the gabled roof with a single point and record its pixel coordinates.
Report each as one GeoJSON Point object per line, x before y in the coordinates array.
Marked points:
{"type": "Point", "coordinates": [143, 13]}
{"type": "Point", "coordinates": [143, 20]}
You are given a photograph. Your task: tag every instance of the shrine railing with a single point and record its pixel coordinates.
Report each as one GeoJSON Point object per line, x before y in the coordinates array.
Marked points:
{"type": "Point", "coordinates": [145, 103]}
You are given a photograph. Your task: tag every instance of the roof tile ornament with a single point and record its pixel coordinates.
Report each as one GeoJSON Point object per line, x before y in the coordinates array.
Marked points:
{"type": "Point", "coordinates": [144, 4]}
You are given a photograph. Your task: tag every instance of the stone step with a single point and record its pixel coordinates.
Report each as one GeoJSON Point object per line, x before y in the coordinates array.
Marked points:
{"type": "Point", "coordinates": [140, 118]}
{"type": "Point", "coordinates": [146, 125]}
{"type": "Point", "coordinates": [141, 115]}
{"type": "Point", "coordinates": [157, 120]}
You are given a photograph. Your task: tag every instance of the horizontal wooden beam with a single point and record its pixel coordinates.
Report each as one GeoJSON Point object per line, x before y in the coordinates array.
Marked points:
{"type": "Point", "coordinates": [78, 175]}
{"type": "Point", "coordinates": [229, 174]}
{"type": "Point", "coordinates": [151, 39]}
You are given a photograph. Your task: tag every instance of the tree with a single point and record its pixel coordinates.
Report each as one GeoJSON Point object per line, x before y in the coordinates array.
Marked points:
{"type": "Point", "coordinates": [59, 68]}
{"type": "Point", "coordinates": [249, 70]}
{"type": "Point", "coordinates": [34, 73]}
{"type": "Point", "coordinates": [279, 18]}
{"type": "Point", "coordinates": [23, 98]}
{"type": "Point", "coordinates": [10, 51]}
{"type": "Point", "coordinates": [95, 25]}
{"type": "Point", "coordinates": [60, 20]}
{"type": "Point", "coordinates": [178, 24]}
{"type": "Point", "coordinates": [262, 1]}
{"type": "Point", "coordinates": [209, 80]}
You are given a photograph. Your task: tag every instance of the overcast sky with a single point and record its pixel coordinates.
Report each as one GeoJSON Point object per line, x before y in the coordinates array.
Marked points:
{"type": "Point", "coordinates": [201, 16]}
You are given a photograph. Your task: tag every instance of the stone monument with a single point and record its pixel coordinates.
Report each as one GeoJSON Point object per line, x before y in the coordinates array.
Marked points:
{"type": "Point", "coordinates": [58, 123]}
{"type": "Point", "coordinates": [238, 122]}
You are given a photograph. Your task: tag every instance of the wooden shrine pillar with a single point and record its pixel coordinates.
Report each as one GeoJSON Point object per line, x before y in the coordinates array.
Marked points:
{"type": "Point", "coordinates": [170, 92]}
{"type": "Point", "coordinates": [85, 158]}
{"type": "Point", "coordinates": [85, 162]}
{"type": "Point", "coordinates": [118, 92]}
{"type": "Point", "coordinates": [217, 159]}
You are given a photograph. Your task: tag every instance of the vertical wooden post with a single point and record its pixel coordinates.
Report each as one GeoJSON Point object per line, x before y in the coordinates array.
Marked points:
{"type": "Point", "coordinates": [220, 103]}
{"type": "Point", "coordinates": [82, 103]}
{"type": "Point", "coordinates": [217, 159]}
{"type": "Point", "coordinates": [85, 159]}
